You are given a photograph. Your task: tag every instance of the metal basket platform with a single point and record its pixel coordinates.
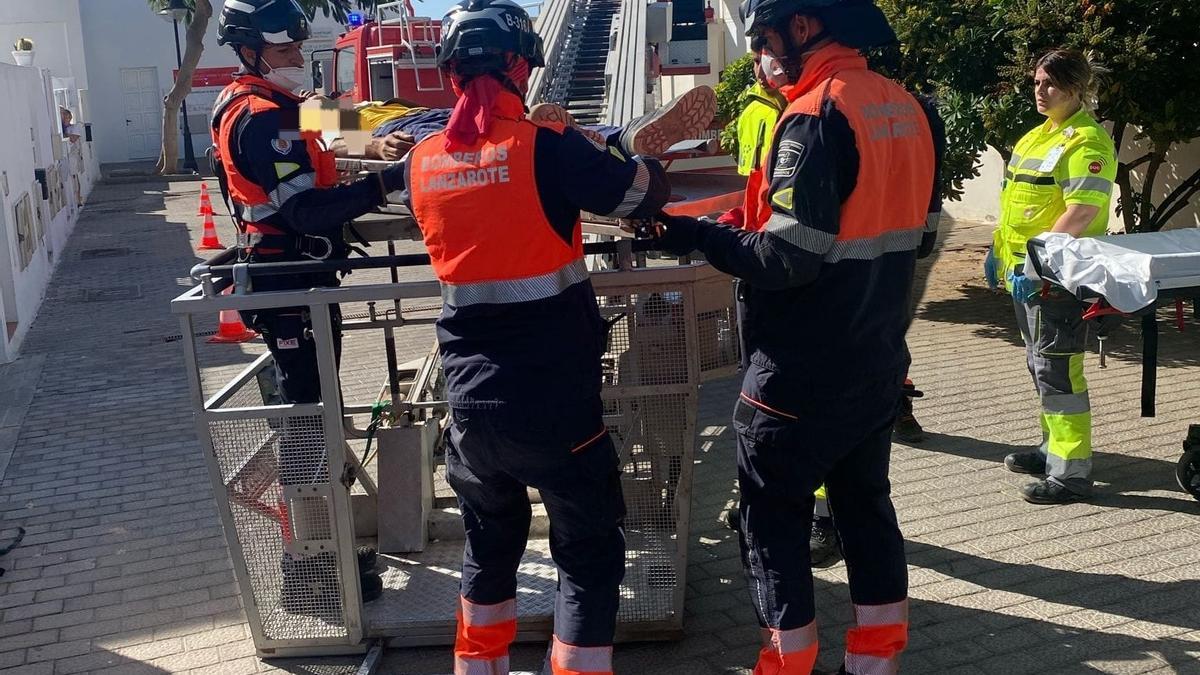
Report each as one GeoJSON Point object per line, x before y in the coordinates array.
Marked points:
{"type": "Point", "coordinates": [289, 519]}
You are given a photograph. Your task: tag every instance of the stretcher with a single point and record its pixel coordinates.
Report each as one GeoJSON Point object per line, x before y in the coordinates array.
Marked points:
{"type": "Point", "coordinates": [1129, 275]}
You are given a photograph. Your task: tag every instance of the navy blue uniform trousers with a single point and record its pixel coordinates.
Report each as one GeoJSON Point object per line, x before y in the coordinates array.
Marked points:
{"type": "Point", "coordinates": [567, 455]}
{"type": "Point", "coordinates": [788, 443]}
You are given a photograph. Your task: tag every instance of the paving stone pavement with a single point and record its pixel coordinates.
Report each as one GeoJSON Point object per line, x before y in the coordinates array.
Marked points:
{"type": "Point", "coordinates": [124, 568]}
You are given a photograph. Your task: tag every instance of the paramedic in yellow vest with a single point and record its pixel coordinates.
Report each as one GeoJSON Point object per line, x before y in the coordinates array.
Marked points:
{"type": "Point", "coordinates": [756, 124]}
{"type": "Point", "coordinates": [1059, 179]}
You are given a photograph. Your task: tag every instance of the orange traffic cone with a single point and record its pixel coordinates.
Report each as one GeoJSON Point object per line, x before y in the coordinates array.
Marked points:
{"type": "Point", "coordinates": [210, 242]}
{"type": "Point", "coordinates": [230, 328]}
{"type": "Point", "coordinates": [205, 201]}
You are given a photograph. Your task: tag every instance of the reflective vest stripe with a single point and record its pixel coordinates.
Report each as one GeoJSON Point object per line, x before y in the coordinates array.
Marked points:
{"type": "Point", "coordinates": [510, 291]}
{"type": "Point", "coordinates": [879, 615]}
{"type": "Point", "coordinates": [871, 248]}
{"type": "Point", "coordinates": [487, 615]}
{"type": "Point", "coordinates": [799, 235]}
{"type": "Point", "coordinates": [252, 213]}
{"type": "Point", "coordinates": [292, 187]}
{"type": "Point", "coordinates": [1101, 185]}
{"type": "Point", "coordinates": [569, 658]}
{"type": "Point", "coordinates": [496, 666]}
{"type": "Point", "coordinates": [874, 646]}
{"type": "Point", "coordinates": [863, 664]}
{"type": "Point", "coordinates": [636, 193]}
{"type": "Point", "coordinates": [792, 640]}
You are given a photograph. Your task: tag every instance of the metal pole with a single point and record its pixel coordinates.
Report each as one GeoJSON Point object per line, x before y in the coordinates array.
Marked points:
{"type": "Point", "coordinates": [189, 154]}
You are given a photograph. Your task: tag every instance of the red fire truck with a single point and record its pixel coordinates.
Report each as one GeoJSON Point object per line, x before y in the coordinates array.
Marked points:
{"type": "Point", "coordinates": [390, 55]}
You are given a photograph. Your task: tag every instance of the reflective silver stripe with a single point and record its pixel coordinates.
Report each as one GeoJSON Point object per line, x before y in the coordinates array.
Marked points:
{"type": "Point", "coordinates": [240, 6]}
{"type": "Point", "coordinates": [292, 187]}
{"type": "Point", "coordinates": [636, 193]}
{"type": "Point", "coordinates": [1031, 164]}
{"type": "Point", "coordinates": [932, 220]}
{"type": "Point", "coordinates": [870, 249]}
{"type": "Point", "coordinates": [258, 212]}
{"type": "Point", "coordinates": [799, 235]}
{"type": "Point", "coordinates": [587, 659]}
{"type": "Point", "coordinates": [1067, 469]}
{"type": "Point", "coordinates": [1066, 404]}
{"type": "Point", "coordinates": [792, 640]}
{"type": "Point", "coordinates": [515, 290]}
{"type": "Point", "coordinates": [1014, 161]}
{"type": "Point", "coordinates": [881, 615]}
{"type": "Point", "coordinates": [488, 615]}
{"type": "Point", "coordinates": [1092, 183]}
{"type": "Point", "coordinates": [861, 664]}
{"type": "Point", "coordinates": [496, 666]}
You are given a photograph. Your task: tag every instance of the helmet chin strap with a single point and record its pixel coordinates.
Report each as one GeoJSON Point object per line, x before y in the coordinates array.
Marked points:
{"type": "Point", "coordinates": [792, 59]}
{"type": "Point", "coordinates": [256, 67]}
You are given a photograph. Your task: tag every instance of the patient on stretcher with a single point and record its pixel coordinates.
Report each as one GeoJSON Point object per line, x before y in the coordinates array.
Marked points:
{"type": "Point", "coordinates": [396, 126]}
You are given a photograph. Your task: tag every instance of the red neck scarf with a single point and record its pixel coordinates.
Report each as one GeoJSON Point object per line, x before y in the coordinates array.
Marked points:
{"type": "Point", "coordinates": [482, 99]}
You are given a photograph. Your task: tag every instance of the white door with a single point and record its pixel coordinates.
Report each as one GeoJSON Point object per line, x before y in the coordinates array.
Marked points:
{"type": "Point", "coordinates": [143, 111]}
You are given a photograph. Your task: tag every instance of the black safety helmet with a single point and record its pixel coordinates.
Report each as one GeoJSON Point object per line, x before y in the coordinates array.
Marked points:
{"type": "Point", "coordinates": [258, 23]}
{"type": "Point", "coordinates": [486, 30]}
{"type": "Point", "coordinates": [855, 23]}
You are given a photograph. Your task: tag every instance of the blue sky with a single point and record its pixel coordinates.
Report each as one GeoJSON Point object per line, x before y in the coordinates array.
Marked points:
{"type": "Point", "coordinates": [437, 8]}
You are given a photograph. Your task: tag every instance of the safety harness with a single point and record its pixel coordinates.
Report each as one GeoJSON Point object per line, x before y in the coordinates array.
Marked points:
{"type": "Point", "coordinates": [257, 237]}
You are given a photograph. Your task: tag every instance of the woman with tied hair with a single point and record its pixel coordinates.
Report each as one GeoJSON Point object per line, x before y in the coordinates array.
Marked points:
{"type": "Point", "coordinates": [1059, 179]}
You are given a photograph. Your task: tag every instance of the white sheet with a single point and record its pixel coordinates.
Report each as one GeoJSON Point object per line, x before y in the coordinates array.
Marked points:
{"type": "Point", "coordinates": [1128, 269]}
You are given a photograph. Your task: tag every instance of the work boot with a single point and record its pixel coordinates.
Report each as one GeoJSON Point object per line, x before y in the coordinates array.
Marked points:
{"type": "Point", "coordinates": [371, 585]}
{"type": "Point", "coordinates": [1050, 491]}
{"type": "Point", "coordinates": [824, 547]}
{"type": "Point", "coordinates": [684, 117]}
{"type": "Point", "coordinates": [1026, 462]}
{"type": "Point", "coordinates": [906, 428]}
{"type": "Point", "coordinates": [367, 559]}
{"type": "Point", "coordinates": [310, 585]}
{"type": "Point", "coordinates": [555, 113]}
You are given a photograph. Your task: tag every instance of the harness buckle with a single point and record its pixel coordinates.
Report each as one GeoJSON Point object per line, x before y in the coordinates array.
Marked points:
{"type": "Point", "coordinates": [304, 248]}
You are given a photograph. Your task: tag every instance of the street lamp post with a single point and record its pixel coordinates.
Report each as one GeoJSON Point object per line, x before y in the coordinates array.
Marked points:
{"type": "Point", "coordinates": [176, 11]}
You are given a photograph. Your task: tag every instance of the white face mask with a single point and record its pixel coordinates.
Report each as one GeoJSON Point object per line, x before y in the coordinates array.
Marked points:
{"type": "Point", "coordinates": [289, 77]}
{"type": "Point", "coordinates": [772, 70]}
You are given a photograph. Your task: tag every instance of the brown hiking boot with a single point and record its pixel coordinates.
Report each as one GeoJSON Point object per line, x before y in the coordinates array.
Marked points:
{"type": "Point", "coordinates": [684, 117]}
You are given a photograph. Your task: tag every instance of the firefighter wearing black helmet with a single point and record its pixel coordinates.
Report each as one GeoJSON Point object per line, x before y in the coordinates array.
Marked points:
{"type": "Point", "coordinates": [827, 250]}
{"type": "Point", "coordinates": [288, 206]}
{"type": "Point", "coordinates": [498, 199]}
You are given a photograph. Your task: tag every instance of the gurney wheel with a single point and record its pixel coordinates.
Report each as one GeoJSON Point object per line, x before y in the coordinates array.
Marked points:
{"type": "Point", "coordinates": [1188, 472]}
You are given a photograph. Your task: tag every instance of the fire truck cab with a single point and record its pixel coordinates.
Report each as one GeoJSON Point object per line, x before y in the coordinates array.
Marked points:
{"type": "Point", "coordinates": [388, 56]}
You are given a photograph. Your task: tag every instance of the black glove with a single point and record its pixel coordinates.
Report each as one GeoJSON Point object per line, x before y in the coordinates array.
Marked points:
{"type": "Point", "coordinates": [677, 234]}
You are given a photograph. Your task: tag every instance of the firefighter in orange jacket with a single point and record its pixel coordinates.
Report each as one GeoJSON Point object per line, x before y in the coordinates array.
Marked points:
{"type": "Point", "coordinates": [287, 206]}
{"type": "Point", "coordinates": [498, 200]}
{"type": "Point", "coordinates": [828, 253]}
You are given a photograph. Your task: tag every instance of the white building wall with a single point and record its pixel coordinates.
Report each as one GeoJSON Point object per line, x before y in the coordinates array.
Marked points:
{"type": "Point", "coordinates": [56, 29]}
{"type": "Point", "coordinates": [31, 137]}
{"type": "Point", "coordinates": [126, 34]}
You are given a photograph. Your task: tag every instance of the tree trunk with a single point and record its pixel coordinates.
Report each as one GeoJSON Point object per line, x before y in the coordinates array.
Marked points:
{"type": "Point", "coordinates": [1146, 203]}
{"type": "Point", "coordinates": [1176, 201]}
{"type": "Point", "coordinates": [168, 158]}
